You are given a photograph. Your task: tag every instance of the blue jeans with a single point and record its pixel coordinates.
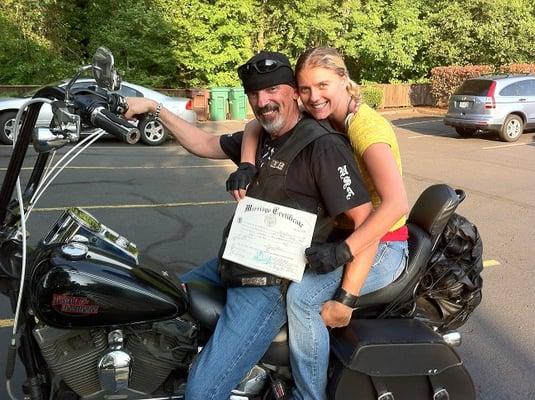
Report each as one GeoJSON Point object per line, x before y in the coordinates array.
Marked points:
{"type": "Point", "coordinates": [251, 319]}
{"type": "Point", "coordinates": [308, 335]}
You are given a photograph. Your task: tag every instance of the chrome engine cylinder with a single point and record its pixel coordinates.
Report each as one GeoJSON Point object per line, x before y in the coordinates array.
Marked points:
{"type": "Point", "coordinates": [114, 366]}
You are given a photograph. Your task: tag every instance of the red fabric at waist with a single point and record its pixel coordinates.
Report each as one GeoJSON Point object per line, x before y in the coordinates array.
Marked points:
{"type": "Point", "coordinates": [399, 235]}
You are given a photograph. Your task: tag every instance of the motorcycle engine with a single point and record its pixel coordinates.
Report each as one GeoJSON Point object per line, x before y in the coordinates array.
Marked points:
{"type": "Point", "coordinates": [156, 350]}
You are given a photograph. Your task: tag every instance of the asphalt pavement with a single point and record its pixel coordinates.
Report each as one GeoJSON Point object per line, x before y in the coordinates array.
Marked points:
{"type": "Point", "coordinates": [174, 207]}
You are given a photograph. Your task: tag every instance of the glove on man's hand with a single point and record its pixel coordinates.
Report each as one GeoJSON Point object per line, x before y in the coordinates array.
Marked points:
{"type": "Point", "coordinates": [326, 257]}
{"type": "Point", "coordinates": [242, 177]}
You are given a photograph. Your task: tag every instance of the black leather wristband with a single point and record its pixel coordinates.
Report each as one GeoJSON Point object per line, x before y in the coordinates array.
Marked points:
{"type": "Point", "coordinates": [348, 299]}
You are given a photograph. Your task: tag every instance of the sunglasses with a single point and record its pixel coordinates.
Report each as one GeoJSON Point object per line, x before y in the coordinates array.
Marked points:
{"type": "Point", "coordinates": [262, 67]}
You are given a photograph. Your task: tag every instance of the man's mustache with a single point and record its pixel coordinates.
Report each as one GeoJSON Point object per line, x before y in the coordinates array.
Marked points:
{"type": "Point", "coordinates": [267, 108]}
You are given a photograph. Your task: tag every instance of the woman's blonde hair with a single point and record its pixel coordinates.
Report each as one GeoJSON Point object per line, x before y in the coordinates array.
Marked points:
{"type": "Point", "coordinates": [328, 58]}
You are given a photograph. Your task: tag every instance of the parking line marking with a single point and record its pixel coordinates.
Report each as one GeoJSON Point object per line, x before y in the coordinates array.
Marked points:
{"type": "Point", "coordinates": [507, 145]}
{"type": "Point", "coordinates": [124, 206]}
{"type": "Point", "coordinates": [428, 136]}
{"type": "Point", "coordinates": [416, 123]}
{"type": "Point", "coordinates": [140, 167]}
{"type": "Point", "coordinates": [490, 263]}
{"type": "Point", "coordinates": [6, 323]}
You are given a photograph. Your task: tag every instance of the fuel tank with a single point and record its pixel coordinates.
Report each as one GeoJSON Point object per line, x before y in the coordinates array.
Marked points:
{"type": "Point", "coordinates": [75, 285]}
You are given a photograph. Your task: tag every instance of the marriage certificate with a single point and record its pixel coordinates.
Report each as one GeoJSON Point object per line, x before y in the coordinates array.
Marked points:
{"type": "Point", "coordinates": [269, 237]}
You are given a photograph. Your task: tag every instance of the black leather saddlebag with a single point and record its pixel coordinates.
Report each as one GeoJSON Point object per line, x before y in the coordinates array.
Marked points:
{"type": "Point", "coordinates": [395, 359]}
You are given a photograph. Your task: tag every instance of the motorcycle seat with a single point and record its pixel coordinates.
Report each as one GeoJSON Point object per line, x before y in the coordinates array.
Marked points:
{"type": "Point", "coordinates": [206, 305]}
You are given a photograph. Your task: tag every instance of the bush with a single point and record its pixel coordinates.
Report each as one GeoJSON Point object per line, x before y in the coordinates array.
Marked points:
{"type": "Point", "coordinates": [444, 80]}
{"type": "Point", "coordinates": [372, 95]}
{"type": "Point", "coordinates": [517, 69]}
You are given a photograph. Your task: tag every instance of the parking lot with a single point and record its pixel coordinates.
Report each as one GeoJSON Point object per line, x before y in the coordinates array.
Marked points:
{"type": "Point", "coordinates": [173, 206]}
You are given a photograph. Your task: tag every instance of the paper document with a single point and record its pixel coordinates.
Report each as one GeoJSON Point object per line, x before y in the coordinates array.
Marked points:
{"type": "Point", "coordinates": [270, 238]}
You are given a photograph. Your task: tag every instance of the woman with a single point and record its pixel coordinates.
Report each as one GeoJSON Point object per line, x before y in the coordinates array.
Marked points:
{"type": "Point", "coordinates": [327, 92]}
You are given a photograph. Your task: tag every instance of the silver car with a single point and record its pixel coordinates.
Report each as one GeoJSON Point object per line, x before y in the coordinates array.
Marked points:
{"type": "Point", "coordinates": [152, 131]}
{"type": "Point", "coordinates": [504, 104]}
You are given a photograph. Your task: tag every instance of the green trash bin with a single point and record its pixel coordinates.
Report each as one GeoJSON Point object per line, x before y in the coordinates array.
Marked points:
{"type": "Point", "coordinates": [219, 103]}
{"type": "Point", "coordinates": [238, 104]}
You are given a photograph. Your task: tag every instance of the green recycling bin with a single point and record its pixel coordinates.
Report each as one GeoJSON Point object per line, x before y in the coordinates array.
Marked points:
{"type": "Point", "coordinates": [237, 102]}
{"type": "Point", "coordinates": [219, 103]}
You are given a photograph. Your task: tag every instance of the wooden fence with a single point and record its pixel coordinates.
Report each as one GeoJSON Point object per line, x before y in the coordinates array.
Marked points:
{"type": "Point", "coordinates": [406, 95]}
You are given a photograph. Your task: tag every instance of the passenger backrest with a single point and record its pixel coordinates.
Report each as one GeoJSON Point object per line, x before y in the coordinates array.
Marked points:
{"type": "Point", "coordinates": [434, 208]}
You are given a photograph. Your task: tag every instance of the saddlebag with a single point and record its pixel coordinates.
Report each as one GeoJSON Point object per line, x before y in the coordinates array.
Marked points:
{"type": "Point", "coordinates": [395, 359]}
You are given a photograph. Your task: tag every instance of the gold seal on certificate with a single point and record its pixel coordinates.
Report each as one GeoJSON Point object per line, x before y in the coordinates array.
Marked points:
{"type": "Point", "coordinates": [269, 237]}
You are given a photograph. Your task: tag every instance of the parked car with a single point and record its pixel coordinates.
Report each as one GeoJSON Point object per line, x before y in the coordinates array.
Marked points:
{"type": "Point", "coordinates": [504, 104]}
{"type": "Point", "coordinates": [152, 131]}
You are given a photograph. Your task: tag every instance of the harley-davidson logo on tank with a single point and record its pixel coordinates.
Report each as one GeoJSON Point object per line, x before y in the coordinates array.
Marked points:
{"type": "Point", "coordinates": [73, 304]}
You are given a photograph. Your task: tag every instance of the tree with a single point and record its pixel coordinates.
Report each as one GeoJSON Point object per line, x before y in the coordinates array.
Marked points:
{"type": "Point", "coordinates": [481, 32]}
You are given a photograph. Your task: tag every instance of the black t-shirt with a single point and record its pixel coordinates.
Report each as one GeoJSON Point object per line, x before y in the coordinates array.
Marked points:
{"type": "Point", "coordinates": [325, 170]}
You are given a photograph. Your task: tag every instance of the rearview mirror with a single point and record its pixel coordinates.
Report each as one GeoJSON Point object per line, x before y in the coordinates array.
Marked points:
{"type": "Point", "coordinates": [104, 70]}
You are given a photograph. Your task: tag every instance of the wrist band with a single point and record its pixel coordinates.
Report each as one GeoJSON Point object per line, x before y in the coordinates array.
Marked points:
{"type": "Point", "coordinates": [348, 299]}
{"type": "Point", "coordinates": [158, 109]}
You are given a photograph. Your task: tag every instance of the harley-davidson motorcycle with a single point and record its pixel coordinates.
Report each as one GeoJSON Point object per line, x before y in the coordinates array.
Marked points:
{"type": "Point", "coordinates": [92, 320]}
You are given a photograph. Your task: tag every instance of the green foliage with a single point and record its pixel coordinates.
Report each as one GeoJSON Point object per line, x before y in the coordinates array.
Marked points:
{"type": "Point", "coordinates": [185, 43]}
{"type": "Point", "coordinates": [444, 80]}
{"type": "Point", "coordinates": [491, 32]}
{"type": "Point", "coordinates": [382, 39]}
{"type": "Point", "coordinates": [372, 95]}
{"type": "Point", "coordinates": [36, 41]}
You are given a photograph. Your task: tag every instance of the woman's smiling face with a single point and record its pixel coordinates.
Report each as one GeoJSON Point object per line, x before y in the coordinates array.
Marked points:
{"type": "Point", "coordinates": [323, 92]}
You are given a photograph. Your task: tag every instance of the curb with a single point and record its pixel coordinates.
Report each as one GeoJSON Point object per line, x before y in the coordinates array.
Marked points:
{"type": "Point", "coordinates": [408, 110]}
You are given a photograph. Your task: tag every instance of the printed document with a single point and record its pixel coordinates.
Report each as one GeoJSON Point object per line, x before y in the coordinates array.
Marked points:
{"type": "Point", "coordinates": [271, 238]}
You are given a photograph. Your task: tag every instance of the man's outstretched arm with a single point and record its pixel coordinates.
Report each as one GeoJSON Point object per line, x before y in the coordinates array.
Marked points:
{"type": "Point", "coordinates": [194, 140]}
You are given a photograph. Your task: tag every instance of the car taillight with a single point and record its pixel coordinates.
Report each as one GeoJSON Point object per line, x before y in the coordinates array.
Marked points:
{"type": "Point", "coordinates": [189, 105]}
{"type": "Point", "coordinates": [491, 102]}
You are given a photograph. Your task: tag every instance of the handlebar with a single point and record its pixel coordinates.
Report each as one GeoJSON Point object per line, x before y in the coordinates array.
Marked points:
{"type": "Point", "coordinates": [105, 119]}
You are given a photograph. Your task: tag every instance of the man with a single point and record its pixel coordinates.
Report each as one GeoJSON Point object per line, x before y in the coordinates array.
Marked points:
{"type": "Point", "coordinates": [299, 163]}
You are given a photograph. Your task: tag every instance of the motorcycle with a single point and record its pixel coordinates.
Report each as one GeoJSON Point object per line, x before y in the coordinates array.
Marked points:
{"type": "Point", "coordinates": [93, 320]}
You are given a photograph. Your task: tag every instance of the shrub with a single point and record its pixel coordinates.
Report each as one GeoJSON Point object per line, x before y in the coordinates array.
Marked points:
{"type": "Point", "coordinates": [517, 69]}
{"type": "Point", "coordinates": [444, 80]}
{"type": "Point", "coordinates": [372, 95]}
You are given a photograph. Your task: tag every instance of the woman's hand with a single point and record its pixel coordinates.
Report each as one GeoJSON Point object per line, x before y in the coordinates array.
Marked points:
{"type": "Point", "coordinates": [335, 314]}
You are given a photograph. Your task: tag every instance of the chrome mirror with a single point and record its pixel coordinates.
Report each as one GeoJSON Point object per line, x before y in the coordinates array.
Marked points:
{"type": "Point", "coordinates": [104, 70]}
{"type": "Point", "coordinates": [64, 128]}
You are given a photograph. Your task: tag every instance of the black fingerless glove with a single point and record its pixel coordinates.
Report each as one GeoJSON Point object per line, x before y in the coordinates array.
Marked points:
{"type": "Point", "coordinates": [326, 257]}
{"type": "Point", "coordinates": [242, 177]}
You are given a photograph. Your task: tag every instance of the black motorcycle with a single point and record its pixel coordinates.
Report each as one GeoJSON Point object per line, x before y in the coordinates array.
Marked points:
{"type": "Point", "coordinates": [93, 320]}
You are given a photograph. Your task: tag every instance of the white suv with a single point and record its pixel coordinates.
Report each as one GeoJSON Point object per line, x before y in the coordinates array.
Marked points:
{"type": "Point", "coordinates": [500, 103]}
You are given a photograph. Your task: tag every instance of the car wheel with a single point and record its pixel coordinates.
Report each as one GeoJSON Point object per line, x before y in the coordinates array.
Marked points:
{"type": "Point", "coordinates": [465, 132]}
{"type": "Point", "coordinates": [7, 126]}
{"type": "Point", "coordinates": [152, 131]}
{"type": "Point", "coordinates": [511, 129]}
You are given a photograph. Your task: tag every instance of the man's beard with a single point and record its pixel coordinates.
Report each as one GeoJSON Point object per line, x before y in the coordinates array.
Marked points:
{"type": "Point", "coordinates": [272, 125]}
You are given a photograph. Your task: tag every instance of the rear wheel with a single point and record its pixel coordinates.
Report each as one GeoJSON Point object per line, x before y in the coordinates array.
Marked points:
{"type": "Point", "coordinates": [7, 126]}
{"type": "Point", "coordinates": [152, 131]}
{"type": "Point", "coordinates": [465, 132]}
{"type": "Point", "coordinates": [511, 129]}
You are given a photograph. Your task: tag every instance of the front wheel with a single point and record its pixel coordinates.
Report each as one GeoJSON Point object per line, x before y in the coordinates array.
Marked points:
{"type": "Point", "coordinates": [465, 132]}
{"type": "Point", "coordinates": [153, 132]}
{"type": "Point", "coordinates": [7, 126]}
{"type": "Point", "coordinates": [511, 129]}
